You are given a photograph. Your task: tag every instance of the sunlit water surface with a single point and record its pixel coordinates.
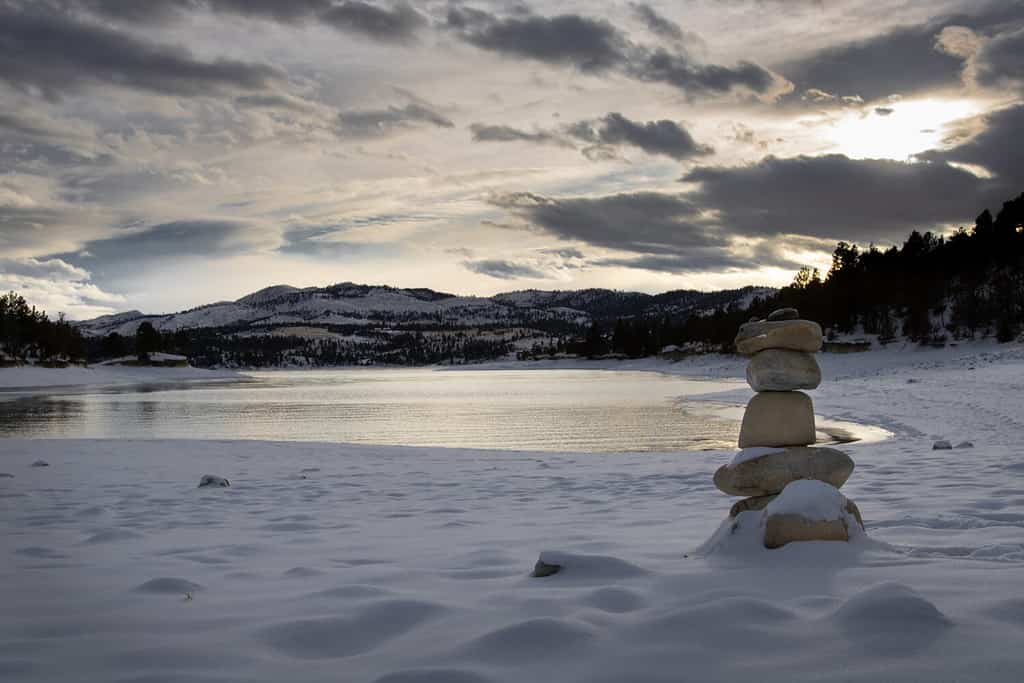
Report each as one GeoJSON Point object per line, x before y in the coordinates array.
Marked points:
{"type": "Point", "coordinates": [540, 410]}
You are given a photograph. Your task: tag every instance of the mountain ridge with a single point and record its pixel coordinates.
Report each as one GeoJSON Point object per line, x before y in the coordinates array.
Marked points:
{"type": "Point", "coordinates": [348, 323]}
{"type": "Point", "coordinates": [362, 299]}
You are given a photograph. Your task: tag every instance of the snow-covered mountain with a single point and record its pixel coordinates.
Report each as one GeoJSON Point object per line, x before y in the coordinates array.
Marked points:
{"type": "Point", "coordinates": [352, 323]}
{"type": "Point", "coordinates": [348, 304]}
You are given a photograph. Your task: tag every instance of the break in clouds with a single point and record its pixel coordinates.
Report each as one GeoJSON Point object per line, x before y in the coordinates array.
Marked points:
{"type": "Point", "coordinates": [482, 146]}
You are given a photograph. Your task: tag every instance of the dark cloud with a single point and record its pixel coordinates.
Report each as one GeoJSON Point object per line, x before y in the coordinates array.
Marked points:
{"type": "Point", "coordinates": [665, 231]}
{"type": "Point", "coordinates": [1001, 59]}
{"type": "Point", "coordinates": [276, 10]}
{"type": "Point", "coordinates": [398, 24]}
{"type": "Point", "coordinates": [504, 270]}
{"type": "Point", "coordinates": [373, 122]}
{"type": "Point", "coordinates": [996, 148]}
{"type": "Point", "coordinates": [917, 58]}
{"type": "Point", "coordinates": [835, 197]}
{"type": "Point", "coordinates": [494, 133]}
{"type": "Point", "coordinates": [569, 39]}
{"type": "Point", "coordinates": [596, 46]}
{"type": "Point", "coordinates": [678, 70]}
{"type": "Point", "coordinates": [57, 54]}
{"type": "Point", "coordinates": [126, 250]}
{"type": "Point", "coordinates": [389, 24]}
{"type": "Point", "coordinates": [654, 137]}
{"type": "Point", "coordinates": [900, 61]}
{"type": "Point", "coordinates": [601, 135]}
{"type": "Point", "coordinates": [644, 222]}
{"type": "Point", "coordinates": [704, 260]}
{"type": "Point", "coordinates": [656, 23]}
{"type": "Point", "coordinates": [795, 203]}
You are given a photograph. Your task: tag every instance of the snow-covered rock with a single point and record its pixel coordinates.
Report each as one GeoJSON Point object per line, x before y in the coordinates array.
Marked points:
{"type": "Point", "coordinates": [809, 510]}
{"type": "Point", "coordinates": [213, 480]}
{"type": "Point", "coordinates": [542, 569]}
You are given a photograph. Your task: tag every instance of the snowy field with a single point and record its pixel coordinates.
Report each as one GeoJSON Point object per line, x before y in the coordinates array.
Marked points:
{"type": "Point", "coordinates": [325, 562]}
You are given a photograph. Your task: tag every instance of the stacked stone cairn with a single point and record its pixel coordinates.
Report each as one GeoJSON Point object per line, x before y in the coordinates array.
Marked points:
{"type": "Point", "coordinates": [791, 485]}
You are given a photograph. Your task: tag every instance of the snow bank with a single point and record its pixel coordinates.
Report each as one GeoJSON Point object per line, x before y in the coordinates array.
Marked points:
{"type": "Point", "coordinates": [399, 565]}
{"type": "Point", "coordinates": [33, 377]}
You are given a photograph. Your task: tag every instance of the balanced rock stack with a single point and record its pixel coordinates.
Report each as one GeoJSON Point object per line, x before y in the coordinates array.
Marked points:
{"type": "Point", "coordinates": [791, 485]}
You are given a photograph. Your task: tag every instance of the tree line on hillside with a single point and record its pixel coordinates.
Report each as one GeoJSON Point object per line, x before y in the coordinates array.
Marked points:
{"type": "Point", "coordinates": [244, 348]}
{"type": "Point", "coordinates": [929, 289]}
{"type": "Point", "coordinates": [27, 333]}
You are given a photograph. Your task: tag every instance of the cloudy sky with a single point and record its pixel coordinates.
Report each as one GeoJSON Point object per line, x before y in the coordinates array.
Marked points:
{"type": "Point", "coordinates": [164, 154]}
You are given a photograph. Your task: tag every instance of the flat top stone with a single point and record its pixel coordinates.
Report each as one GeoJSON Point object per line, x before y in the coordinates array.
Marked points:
{"type": "Point", "coordinates": [796, 335]}
{"type": "Point", "coordinates": [784, 314]}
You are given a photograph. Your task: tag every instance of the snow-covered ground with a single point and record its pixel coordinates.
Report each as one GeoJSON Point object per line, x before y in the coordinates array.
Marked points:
{"type": "Point", "coordinates": [326, 562]}
{"type": "Point", "coordinates": [35, 377]}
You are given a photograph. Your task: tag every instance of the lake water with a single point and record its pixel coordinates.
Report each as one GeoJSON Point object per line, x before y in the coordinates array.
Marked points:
{"type": "Point", "coordinates": [541, 410]}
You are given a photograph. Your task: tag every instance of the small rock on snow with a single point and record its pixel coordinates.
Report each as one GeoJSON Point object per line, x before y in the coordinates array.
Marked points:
{"type": "Point", "coordinates": [965, 444]}
{"type": "Point", "coordinates": [941, 445]}
{"type": "Point", "coordinates": [213, 480]}
{"type": "Point", "coordinates": [6, 475]}
{"type": "Point", "coordinates": [542, 569]}
{"type": "Point", "coordinates": [40, 463]}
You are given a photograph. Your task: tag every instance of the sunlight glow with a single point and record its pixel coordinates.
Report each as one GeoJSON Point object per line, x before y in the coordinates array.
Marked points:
{"type": "Point", "coordinates": [909, 128]}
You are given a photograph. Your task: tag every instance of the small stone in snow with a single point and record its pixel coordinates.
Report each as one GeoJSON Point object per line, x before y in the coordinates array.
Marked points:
{"type": "Point", "coordinates": [542, 569]}
{"type": "Point", "coordinates": [213, 480]}
{"type": "Point", "coordinates": [6, 475]}
{"type": "Point", "coordinates": [965, 444]}
{"type": "Point", "coordinates": [941, 445]}
{"type": "Point", "coordinates": [40, 463]}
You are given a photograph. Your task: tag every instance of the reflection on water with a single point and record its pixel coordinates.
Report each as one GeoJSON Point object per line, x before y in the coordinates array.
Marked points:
{"type": "Point", "coordinates": [553, 410]}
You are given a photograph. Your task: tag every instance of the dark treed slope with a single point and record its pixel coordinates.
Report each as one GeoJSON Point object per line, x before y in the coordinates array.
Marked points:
{"type": "Point", "coordinates": [929, 289]}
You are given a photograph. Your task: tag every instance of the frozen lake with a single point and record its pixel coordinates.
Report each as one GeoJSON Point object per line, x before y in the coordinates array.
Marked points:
{"type": "Point", "coordinates": [536, 410]}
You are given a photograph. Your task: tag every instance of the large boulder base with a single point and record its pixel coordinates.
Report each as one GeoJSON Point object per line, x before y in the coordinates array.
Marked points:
{"type": "Point", "coordinates": [778, 418]}
{"type": "Point", "coordinates": [771, 473]}
{"type": "Point", "coordinates": [796, 335]}
{"type": "Point", "coordinates": [783, 370]}
{"type": "Point", "coordinates": [809, 511]}
{"type": "Point", "coordinates": [782, 529]}
{"type": "Point", "coordinates": [788, 528]}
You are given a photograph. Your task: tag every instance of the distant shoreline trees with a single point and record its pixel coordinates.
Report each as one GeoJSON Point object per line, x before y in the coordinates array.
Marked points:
{"type": "Point", "coordinates": [26, 333]}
